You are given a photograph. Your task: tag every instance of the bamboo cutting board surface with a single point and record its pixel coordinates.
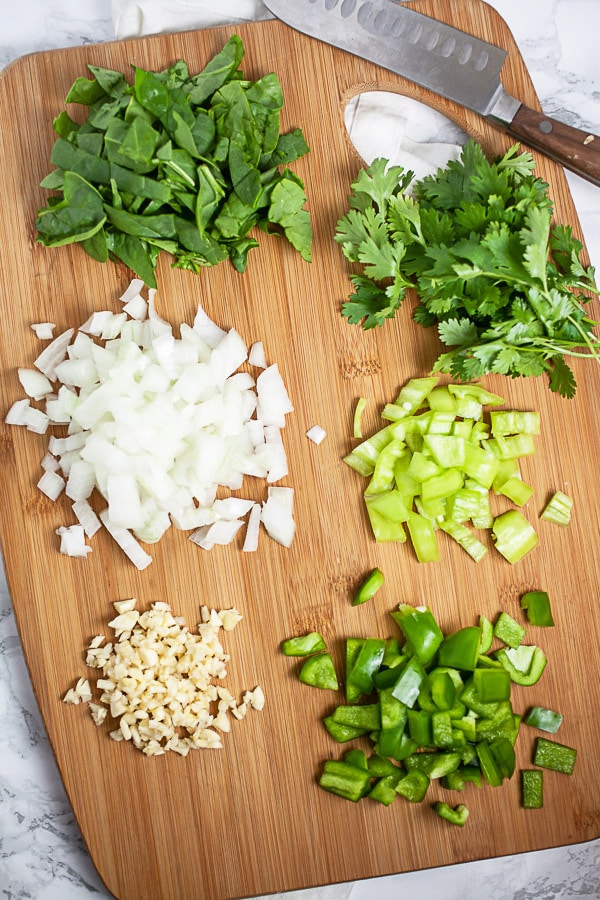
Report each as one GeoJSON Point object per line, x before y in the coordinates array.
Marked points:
{"type": "Point", "coordinates": [250, 819]}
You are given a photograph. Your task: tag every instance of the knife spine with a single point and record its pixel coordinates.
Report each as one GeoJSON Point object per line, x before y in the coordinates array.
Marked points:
{"type": "Point", "coordinates": [388, 34]}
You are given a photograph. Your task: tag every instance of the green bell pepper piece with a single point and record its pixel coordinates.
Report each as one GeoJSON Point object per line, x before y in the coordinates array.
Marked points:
{"type": "Point", "coordinates": [544, 719]}
{"type": "Point", "coordinates": [420, 727]}
{"type": "Point", "coordinates": [393, 711]}
{"type": "Point", "coordinates": [384, 790]}
{"type": "Point", "coordinates": [342, 733]}
{"type": "Point", "coordinates": [516, 490]}
{"type": "Point", "coordinates": [558, 509]}
{"type": "Point", "coordinates": [319, 671]}
{"type": "Point", "coordinates": [420, 629]}
{"type": "Point", "coordinates": [537, 607]}
{"type": "Point", "coordinates": [345, 780]}
{"type": "Point", "coordinates": [303, 645]}
{"type": "Point", "coordinates": [365, 665]}
{"type": "Point", "coordinates": [457, 815]}
{"type": "Point", "coordinates": [380, 766]}
{"type": "Point", "coordinates": [460, 649]}
{"type": "Point", "coordinates": [489, 767]}
{"type": "Point", "coordinates": [436, 763]}
{"type": "Point", "coordinates": [503, 752]}
{"type": "Point", "coordinates": [464, 538]}
{"type": "Point", "coordinates": [508, 630]}
{"type": "Point", "coordinates": [353, 648]}
{"type": "Point", "coordinates": [422, 535]}
{"type": "Point", "coordinates": [366, 717]}
{"type": "Point", "coordinates": [486, 635]}
{"type": "Point", "coordinates": [552, 755]}
{"type": "Point", "coordinates": [512, 421]}
{"type": "Point", "coordinates": [515, 537]}
{"type": "Point", "coordinates": [525, 663]}
{"type": "Point", "coordinates": [492, 685]}
{"type": "Point", "coordinates": [532, 788]}
{"type": "Point", "coordinates": [408, 685]}
{"type": "Point", "coordinates": [413, 786]}
{"type": "Point", "coordinates": [369, 587]}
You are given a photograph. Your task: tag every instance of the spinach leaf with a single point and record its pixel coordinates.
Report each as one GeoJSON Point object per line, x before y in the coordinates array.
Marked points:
{"type": "Point", "coordinates": [186, 165]}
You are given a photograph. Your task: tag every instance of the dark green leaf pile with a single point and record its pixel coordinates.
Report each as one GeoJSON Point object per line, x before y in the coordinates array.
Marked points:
{"type": "Point", "coordinates": [188, 165]}
{"type": "Point", "coordinates": [505, 287]}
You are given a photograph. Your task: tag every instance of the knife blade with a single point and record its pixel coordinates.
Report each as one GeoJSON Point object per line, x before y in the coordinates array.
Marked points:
{"type": "Point", "coordinates": [444, 60]}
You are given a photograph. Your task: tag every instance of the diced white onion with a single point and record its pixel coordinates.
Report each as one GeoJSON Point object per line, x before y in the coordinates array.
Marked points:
{"type": "Point", "coordinates": [44, 330]}
{"type": "Point", "coordinates": [277, 515]}
{"type": "Point", "coordinates": [208, 330]}
{"type": "Point", "coordinates": [86, 517]}
{"type": "Point", "coordinates": [54, 354]}
{"type": "Point", "coordinates": [51, 484]}
{"type": "Point", "coordinates": [72, 541]}
{"type": "Point", "coordinates": [256, 355]}
{"type": "Point", "coordinates": [273, 399]}
{"type": "Point", "coordinates": [156, 424]}
{"type": "Point", "coordinates": [126, 541]}
{"type": "Point", "coordinates": [34, 383]}
{"type": "Point", "coordinates": [252, 530]}
{"type": "Point", "coordinates": [316, 434]}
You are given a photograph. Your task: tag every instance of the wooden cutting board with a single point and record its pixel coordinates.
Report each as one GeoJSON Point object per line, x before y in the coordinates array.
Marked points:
{"type": "Point", "coordinates": [250, 819]}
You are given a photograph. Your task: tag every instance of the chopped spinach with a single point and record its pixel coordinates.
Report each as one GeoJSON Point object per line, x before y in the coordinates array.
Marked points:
{"type": "Point", "coordinates": [184, 164]}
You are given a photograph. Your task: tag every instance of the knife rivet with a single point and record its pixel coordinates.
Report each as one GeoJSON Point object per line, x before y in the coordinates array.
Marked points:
{"type": "Point", "coordinates": [545, 127]}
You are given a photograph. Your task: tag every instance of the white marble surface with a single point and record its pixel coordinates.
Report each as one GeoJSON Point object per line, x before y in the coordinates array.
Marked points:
{"type": "Point", "coordinates": [42, 856]}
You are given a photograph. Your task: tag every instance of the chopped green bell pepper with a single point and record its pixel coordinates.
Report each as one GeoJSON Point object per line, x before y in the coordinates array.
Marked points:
{"type": "Point", "coordinates": [544, 719]}
{"type": "Point", "coordinates": [303, 645]}
{"type": "Point", "coordinates": [420, 629]}
{"type": "Point", "coordinates": [552, 755]}
{"type": "Point", "coordinates": [508, 630]}
{"type": "Point", "coordinates": [369, 587]}
{"type": "Point", "coordinates": [537, 607]}
{"type": "Point", "coordinates": [414, 785]}
{"type": "Point", "coordinates": [366, 663]}
{"type": "Point", "coordinates": [492, 685]}
{"type": "Point", "coordinates": [532, 788]}
{"type": "Point", "coordinates": [319, 671]}
{"type": "Point", "coordinates": [460, 649]}
{"type": "Point", "coordinates": [345, 780]}
{"type": "Point", "coordinates": [457, 815]}
{"type": "Point", "coordinates": [515, 537]}
{"type": "Point", "coordinates": [558, 509]}
{"type": "Point", "coordinates": [525, 663]}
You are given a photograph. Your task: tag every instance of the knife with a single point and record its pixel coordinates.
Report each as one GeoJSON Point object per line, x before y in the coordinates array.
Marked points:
{"type": "Point", "coordinates": [445, 60]}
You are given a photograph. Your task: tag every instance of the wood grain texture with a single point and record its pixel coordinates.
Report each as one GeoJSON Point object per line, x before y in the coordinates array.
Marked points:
{"type": "Point", "coordinates": [250, 819]}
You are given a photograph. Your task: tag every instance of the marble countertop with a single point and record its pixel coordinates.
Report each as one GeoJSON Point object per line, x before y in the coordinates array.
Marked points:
{"type": "Point", "coordinates": [42, 854]}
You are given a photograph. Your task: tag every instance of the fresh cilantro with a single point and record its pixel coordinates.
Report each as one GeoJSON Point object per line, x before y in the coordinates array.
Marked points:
{"type": "Point", "coordinates": [177, 163]}
{"type": "Point", "coordinates": [504, 285]}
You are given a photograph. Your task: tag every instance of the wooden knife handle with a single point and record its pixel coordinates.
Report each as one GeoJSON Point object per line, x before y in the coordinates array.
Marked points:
{"type": "Point", "coordinates": [577, 150]}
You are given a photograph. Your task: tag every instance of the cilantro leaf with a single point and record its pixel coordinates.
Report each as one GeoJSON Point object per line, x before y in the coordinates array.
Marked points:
{"type": "Point", "coordinates": [506, 289]}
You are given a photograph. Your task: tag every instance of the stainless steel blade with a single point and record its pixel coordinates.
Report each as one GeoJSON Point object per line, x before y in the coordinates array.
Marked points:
{"type": "Point", "coordinates": [435, 56]}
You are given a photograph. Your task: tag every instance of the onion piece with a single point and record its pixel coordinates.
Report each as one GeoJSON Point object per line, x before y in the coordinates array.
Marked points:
{"type": "Point", "coordinates": [256, 355]}
{"type": "Point", "coordinates": [208, 330]}
{"type": "Point", "coordinates": [252, 530]}
{"type": "Point", "coordinates": [316, 434]}
{"type": "Point", "coordinates": [273, 399]}
{"type": "Point", "coordinates": [43, 330]}
{"type": "Point", "coordinates": [126, 541]}
{"type": "Point", "coordinates": [51, 484]}
{"type": "Point", "coordinates": [35, 384]}
{"type": "Point", "coordinates": [72, 541]}
{"type": "Point", "coordinates": [54, 354]}
{"type": "Point", "coordinates": [277, 515]}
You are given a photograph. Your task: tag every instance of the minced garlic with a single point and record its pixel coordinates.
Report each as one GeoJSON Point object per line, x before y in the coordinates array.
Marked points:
{"type": "Point", "coordinates": [158, 680]}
